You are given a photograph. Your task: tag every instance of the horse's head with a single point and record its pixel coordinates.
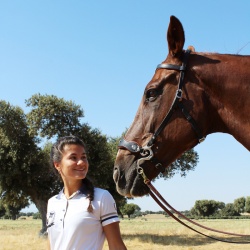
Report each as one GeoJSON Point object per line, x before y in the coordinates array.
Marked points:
{"type": "Point", "coordinates": [164, 126]}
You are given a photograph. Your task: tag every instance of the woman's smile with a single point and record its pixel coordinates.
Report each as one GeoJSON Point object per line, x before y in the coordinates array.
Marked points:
{"type": "Point", "coordinates": [74, 163]}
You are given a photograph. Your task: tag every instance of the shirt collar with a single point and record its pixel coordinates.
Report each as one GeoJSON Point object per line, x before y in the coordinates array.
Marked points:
{"type": "Point", "coordinates": [83, 190]}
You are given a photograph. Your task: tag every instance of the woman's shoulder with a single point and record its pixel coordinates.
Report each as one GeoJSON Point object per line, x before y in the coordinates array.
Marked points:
{"type": "Point", "coordinates": [56, 197]}
{"type": "Point", "coordinates": [100, 192]}
{"type": "Point", "coordinates": [53, 199]}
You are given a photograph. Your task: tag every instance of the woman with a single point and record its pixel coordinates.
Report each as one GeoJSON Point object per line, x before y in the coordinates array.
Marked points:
{"type": "Point", "coordinates": [81, 215]}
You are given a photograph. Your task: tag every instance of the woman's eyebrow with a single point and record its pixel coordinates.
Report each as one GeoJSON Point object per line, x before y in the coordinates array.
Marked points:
{"type": "Point", "coordinates": [76, 153]}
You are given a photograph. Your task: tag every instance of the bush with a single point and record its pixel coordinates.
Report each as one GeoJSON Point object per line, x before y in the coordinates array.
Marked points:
{"type": "Point", "coordinates": [37, 216]}
{"type": "Point", "coordinates": [229, 210]}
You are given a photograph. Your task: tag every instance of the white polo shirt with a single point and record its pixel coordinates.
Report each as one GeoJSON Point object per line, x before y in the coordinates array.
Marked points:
{"type": "Point", "coordinates": [71, 227]}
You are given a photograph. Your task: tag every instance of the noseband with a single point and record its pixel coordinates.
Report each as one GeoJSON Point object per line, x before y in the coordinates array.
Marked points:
{"type": "Point", "coordinates": [146, 151]}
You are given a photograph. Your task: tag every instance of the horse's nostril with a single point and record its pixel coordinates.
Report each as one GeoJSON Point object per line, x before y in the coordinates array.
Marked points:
{"type": "Point", "coordinates": [116, 174]}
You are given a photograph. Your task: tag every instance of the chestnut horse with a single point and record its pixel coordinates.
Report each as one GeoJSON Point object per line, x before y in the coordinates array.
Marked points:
{"type": "Point", "coordinates": [190, 96]}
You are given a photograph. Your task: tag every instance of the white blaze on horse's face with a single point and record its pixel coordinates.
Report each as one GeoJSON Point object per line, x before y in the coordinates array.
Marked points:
{"type": "Point", "coordinates": [189, 97]}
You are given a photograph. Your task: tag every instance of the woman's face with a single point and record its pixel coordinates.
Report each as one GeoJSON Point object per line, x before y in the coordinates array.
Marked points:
{"type": "Point", "coordinates": [74, 164]}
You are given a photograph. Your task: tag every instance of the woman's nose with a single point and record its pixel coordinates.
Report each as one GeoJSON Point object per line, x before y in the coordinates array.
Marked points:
{"type": "Point", "coordinates": [80, 161]}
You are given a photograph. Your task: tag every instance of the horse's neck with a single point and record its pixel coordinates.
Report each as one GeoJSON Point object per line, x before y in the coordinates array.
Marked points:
{"type": "Point", "coordinates": [226, 83]}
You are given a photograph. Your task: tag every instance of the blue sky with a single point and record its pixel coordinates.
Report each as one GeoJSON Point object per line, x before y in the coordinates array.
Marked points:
{"type": "Point", "coordinates": [101, 55]}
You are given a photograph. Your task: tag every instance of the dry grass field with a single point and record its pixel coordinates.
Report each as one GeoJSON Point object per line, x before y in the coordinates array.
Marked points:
{"type": "Point", "coordinates": [153, 232]}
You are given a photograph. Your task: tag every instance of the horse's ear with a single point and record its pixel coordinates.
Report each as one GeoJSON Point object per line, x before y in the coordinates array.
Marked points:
{"type": "Point", "coordinates": [175, 36]}
{"type": "Point", "coordinates": [191, 48]}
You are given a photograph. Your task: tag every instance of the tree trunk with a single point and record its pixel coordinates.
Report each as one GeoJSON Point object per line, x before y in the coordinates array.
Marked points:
{"type": "Point", "coordinates": [42, 208]}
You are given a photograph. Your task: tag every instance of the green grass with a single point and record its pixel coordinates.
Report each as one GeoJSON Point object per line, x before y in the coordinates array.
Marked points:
{"type": "Point", "coordinates": [147, 233]}
{"type": "Point", "coordinates": [21, 234]}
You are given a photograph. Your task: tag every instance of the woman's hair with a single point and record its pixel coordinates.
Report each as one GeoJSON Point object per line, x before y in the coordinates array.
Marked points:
{"type": "Point", "coordinates": [56, 156]}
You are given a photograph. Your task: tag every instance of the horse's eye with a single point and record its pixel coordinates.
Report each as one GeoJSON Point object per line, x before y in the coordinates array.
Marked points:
{"type": "Point", "coordinates": [151, 95]}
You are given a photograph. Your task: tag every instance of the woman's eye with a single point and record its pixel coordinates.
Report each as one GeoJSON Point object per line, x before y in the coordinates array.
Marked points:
{"type": "Point", "coordinates": [151, 95]}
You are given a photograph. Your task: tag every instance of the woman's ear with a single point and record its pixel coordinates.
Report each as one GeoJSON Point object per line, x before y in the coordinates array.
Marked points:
{"type": "Point", "coordinates": [57, 166]}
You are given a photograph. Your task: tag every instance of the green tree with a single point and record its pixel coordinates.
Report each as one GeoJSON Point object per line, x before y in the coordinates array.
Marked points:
{"type": "Point", "coordinates": [52, 116]}
{"type": "Point", "coordinates": [239, 204]}
{"type": "Point", "coordinates": [13, 202]}
{"type": "Point", "coordinates": [229, 210]}
{"type": "Point", "coordinates": [37, 216]}
{"type": "Point", "coordinates": [247, 205]}
{"type": "Point", "coordinates": [16, 144]}
{"type": "Point", "coordinates": [205, 208]}
{"type": "Point", "coordinates": [24, 172]}
{"type": "Point", "coordinates": [129, 209]}
{"type": "Point", "coordinates": [185, 163]}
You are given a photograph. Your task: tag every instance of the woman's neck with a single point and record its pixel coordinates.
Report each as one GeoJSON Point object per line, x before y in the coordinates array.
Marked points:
{"type": "Point", "coordinates": [70, 187]}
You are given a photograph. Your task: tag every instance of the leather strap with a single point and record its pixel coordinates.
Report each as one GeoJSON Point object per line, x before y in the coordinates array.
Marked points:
{"type": "Point", "coordinates": [171, 66]}
{"type": "Point", "coordinates": [129, 145]}
{"type": "Point", "coordinates": [177, 101]}
{"type": "Point", "coordinates": [161, 202]}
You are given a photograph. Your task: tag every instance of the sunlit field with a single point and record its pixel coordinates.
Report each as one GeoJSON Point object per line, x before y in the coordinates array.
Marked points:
{"type": "Point", "coordinates": [147, 233]}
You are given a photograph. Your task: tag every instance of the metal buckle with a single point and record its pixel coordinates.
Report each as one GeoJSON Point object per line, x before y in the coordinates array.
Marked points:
{"type": "Point", "coordinates": [178, 93]}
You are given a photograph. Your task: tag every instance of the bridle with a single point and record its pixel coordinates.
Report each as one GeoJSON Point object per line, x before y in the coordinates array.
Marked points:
{"type": "Point", "coordinates": [147, 153]}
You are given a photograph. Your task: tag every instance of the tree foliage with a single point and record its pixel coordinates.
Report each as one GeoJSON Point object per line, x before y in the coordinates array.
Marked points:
{"type": "Point", "coordinates": [239, 204]}
{"type": "Point", "coordinates": [247, 206]}
{"type": "Point", "coordinates": [229, 210]}
{"type": "Point", "coordinates": [206, 208]}
{"type": "Point", "coordinates": [185, 163]}
{"type": "Point", "coordinates": [51, 116]}
{"type": "Point", "coordinates": [129, 209]}
{"type": "Point", "coordinates": [17, 153]}
{"type": "Point", "coordinates": [24, 171]}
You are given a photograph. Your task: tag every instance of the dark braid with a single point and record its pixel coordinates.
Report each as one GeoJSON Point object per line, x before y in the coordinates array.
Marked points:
{"type": "Point", "coordinates": [90, 195]}
{"type": "Point", "coordinates": [56, 156]}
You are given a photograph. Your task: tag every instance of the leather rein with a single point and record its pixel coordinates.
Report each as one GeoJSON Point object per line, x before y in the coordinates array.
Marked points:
{"type": "Point", "coordinates": [170, 211]}
{"type": "Point", "coordinates": [147, 154]}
